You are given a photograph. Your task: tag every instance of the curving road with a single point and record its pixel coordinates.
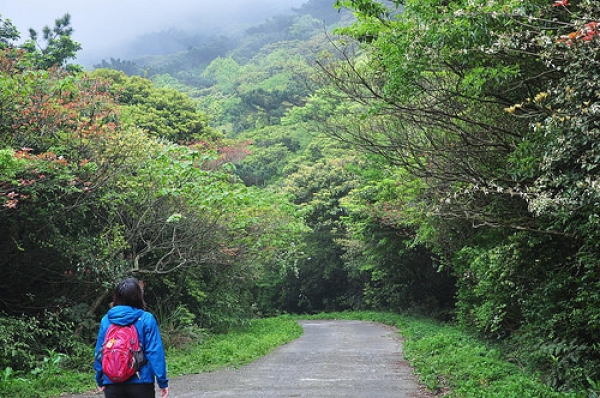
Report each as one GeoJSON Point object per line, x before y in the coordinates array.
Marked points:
{"type": "Point", "coordinates": [343, 359]}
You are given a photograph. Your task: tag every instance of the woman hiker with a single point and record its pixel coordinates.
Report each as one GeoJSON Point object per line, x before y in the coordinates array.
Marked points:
{"type": "Point", "coordinates": [128, 308]}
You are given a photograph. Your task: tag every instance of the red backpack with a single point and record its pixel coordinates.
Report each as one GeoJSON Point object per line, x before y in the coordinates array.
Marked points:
{"type": "Point", "coordinates": [122, 353]}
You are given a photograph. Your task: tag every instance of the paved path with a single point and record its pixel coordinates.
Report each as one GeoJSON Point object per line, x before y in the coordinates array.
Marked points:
{"type": "Point", "coordinates": [343, 359]}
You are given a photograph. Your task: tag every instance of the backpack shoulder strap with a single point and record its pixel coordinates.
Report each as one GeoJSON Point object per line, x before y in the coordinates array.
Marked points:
{"type": "Point", "coordinates": [139, 326]}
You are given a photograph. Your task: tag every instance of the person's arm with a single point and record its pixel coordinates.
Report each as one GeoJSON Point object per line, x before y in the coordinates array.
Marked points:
{"type": "Point", "coordinates": [155, 353]}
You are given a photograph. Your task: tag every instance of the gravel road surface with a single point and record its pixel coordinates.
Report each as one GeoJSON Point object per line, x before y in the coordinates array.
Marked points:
{"type": "Point", "coordinates": [344, 359]}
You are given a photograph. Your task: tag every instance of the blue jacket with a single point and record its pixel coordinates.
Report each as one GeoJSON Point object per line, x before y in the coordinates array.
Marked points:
{"type": "Point", "coordinates": [149, 335]}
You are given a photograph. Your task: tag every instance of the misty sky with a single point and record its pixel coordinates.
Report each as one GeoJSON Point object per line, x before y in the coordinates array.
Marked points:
{"type": "Point", "coordinates": [104, 26]}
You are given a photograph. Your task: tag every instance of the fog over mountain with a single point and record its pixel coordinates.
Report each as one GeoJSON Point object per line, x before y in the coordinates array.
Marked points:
{"type": "Point", "coordinates": [106, 28]}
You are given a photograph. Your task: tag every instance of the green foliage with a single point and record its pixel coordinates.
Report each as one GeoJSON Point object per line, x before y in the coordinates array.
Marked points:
{"type": "Point", "coordinates": [58, 129]}
{"type": "Point", "coordinates": [57, 49]}
{"type": "Point", "coordinates": [178, 327]}
{"type": "Point", "coordinates": [39, 347]}
{"type": "Point", "coordinates": [400, 273]}
{"type": "Point", "coordinates": [161, 112]}
{"type": "Point", "coordinates": [264, 165]}
{"type": "Point", "coordinates": [317, 189]}
{"type": "Point", "coordinates": [255, 94]}
{"type": "Point", "coordinates": [58, 45]}
{"type": "Point", "coordinates": [225, 72]}
{"type": "Point", "coordinates": [10, 165]}
{"type": "Point", "coordinates": [130, 68]}
{"type": "Point", "coordinates": [8, 33]}
{"type": "Point", "coordinates": [18, 343]}
{"type": "Point", "coordinates": [468, 367]}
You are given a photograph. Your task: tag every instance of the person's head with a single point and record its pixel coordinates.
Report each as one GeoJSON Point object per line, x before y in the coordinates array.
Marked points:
{"type": "Point", "coordinates": [129, 292]}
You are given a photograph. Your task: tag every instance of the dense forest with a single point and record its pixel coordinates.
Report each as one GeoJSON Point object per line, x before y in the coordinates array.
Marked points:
{"type": "Point", "coordinates": [432, 157]}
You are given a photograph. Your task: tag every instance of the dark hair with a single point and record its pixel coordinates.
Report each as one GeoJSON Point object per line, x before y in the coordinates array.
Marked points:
{"type": "Point", "coordinates": [129, 292]}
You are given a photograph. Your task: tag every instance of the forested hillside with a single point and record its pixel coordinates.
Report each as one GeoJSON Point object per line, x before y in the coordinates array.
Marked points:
{"type": "Point", "coordinates": [431, 157]}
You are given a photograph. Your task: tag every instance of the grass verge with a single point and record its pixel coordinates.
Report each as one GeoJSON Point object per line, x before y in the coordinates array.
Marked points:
{"type": "Point", "coordinates": [235, 348]}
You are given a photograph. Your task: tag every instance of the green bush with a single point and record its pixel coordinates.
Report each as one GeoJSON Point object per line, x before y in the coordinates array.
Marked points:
{"type": "Point", "coordinates": [28, 341]}
{"type": "Point", "coordinates": [178, 328]}
{"type": "Point", "coordinates": [17, 342]}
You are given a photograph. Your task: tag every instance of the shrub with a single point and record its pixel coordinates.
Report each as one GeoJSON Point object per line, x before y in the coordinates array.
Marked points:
{"type": "Point", "coordinates": [25, 342]}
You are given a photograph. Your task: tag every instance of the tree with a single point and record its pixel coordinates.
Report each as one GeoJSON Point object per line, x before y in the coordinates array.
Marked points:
{"type": "Point", "coordinates": [58, 46]}
{"type": "Point", "coordinates": [491, 106]}
{"type": "Point", "coordinates": [320, 281]}
{"type": "Point", "coordinates": [383, 247]}
{"type": "Point", "coordinates": [56, 130]}
{"type": "Point", "coordinates": [130, 68]}
{"type": "Point", "coordinates": [425, 106]}
{"type": "Point", "coordinates": [161, 112]}
{"type": "Point", "coordinates": [8, 33]}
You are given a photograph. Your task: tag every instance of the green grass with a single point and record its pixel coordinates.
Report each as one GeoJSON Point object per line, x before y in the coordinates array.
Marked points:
{"type": "Point", "coordinates": [447, 360]}
{"type": "Point", "coordinates": [234, 349]}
